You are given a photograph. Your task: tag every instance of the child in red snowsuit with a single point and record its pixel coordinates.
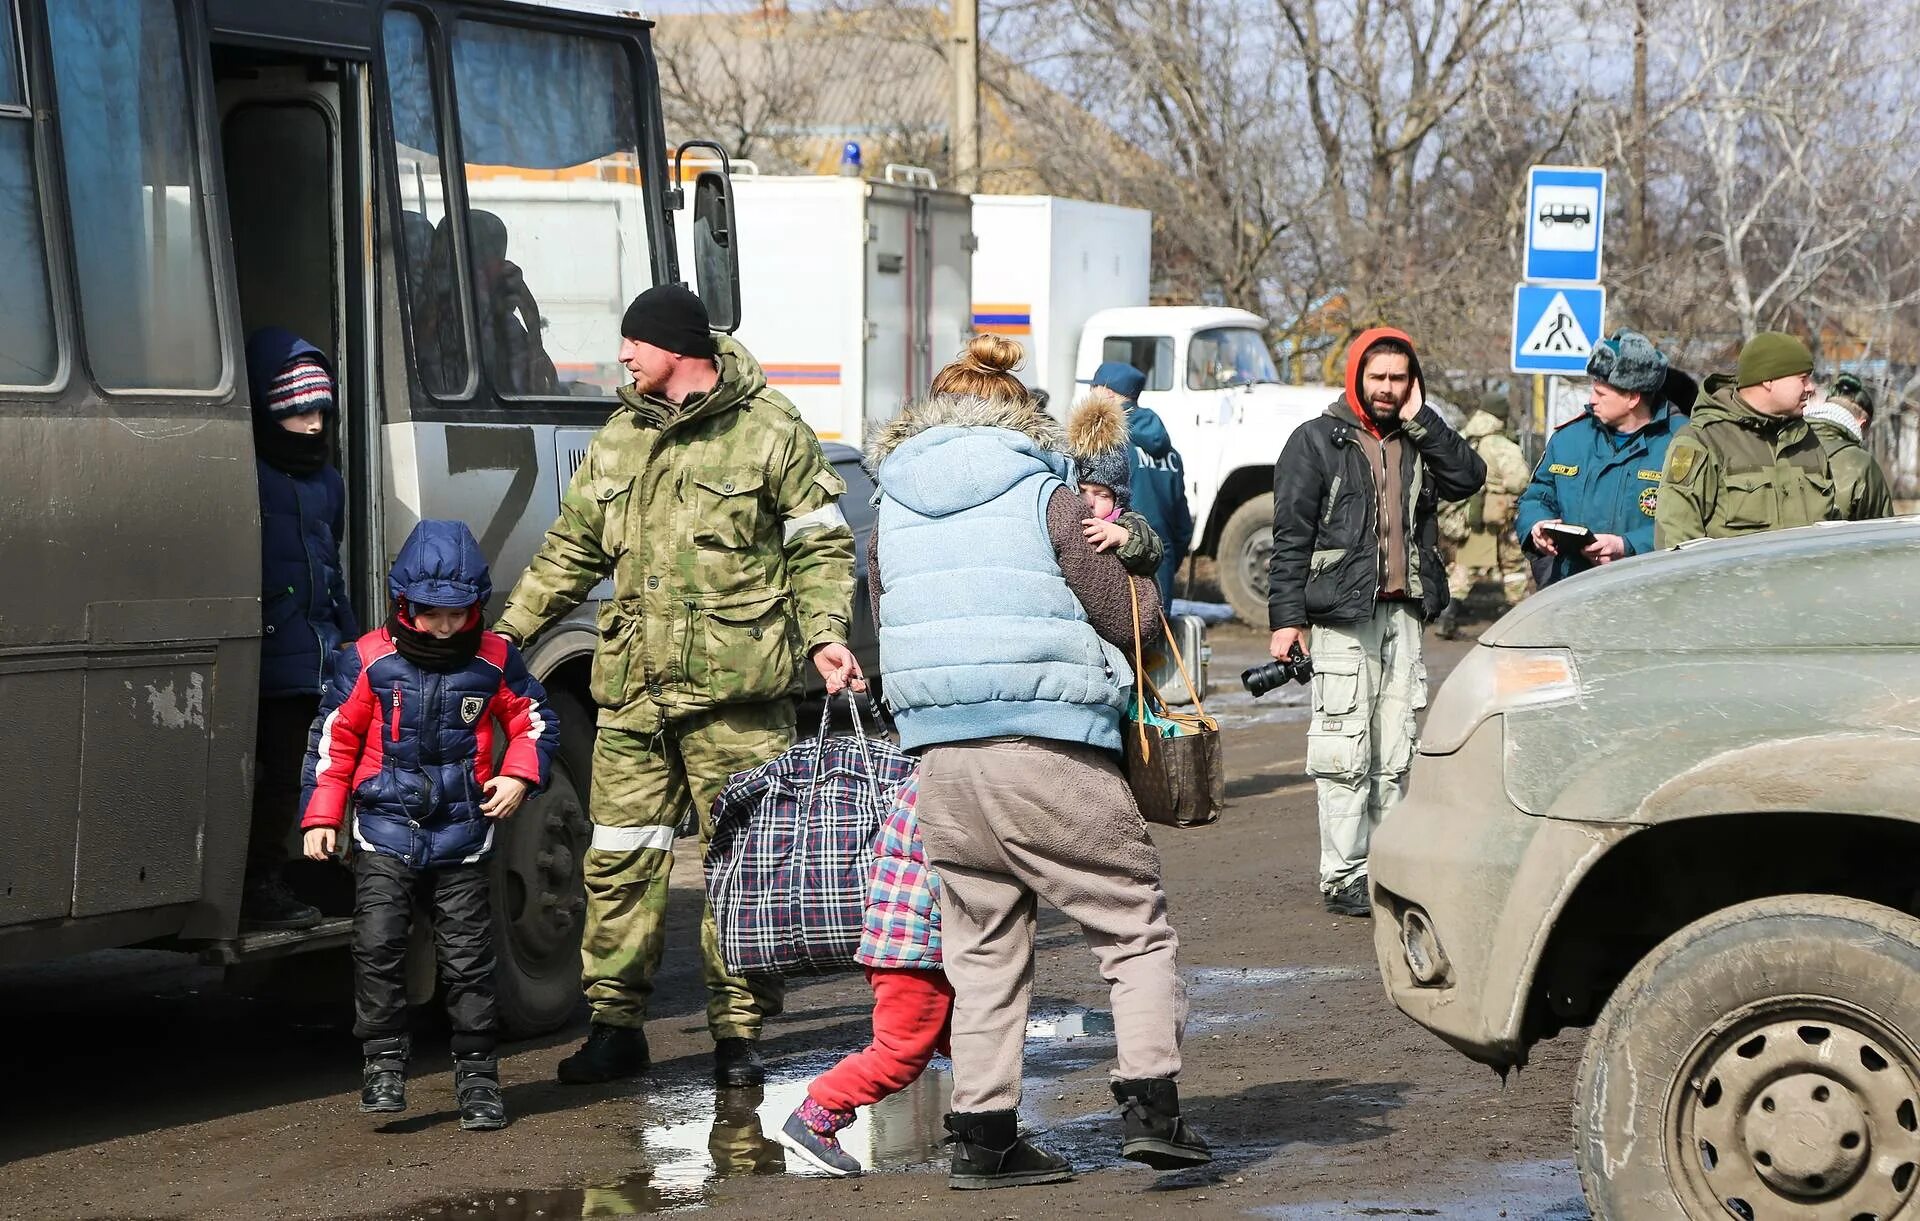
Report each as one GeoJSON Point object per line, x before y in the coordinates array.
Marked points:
{"type": "Point", "coordinates": [912, 1000]}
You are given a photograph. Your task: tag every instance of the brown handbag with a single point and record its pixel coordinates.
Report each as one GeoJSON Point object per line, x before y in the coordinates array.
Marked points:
{"type": "Point", "coordinates": [1178, 780]}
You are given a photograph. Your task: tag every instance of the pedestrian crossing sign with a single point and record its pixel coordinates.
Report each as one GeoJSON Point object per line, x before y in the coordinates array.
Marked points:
{"type": "Point", "coordinates": [1555, 327]}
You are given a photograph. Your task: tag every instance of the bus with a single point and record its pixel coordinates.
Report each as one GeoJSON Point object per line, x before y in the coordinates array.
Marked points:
{"type": "Point", "coordinates": [179, 173]}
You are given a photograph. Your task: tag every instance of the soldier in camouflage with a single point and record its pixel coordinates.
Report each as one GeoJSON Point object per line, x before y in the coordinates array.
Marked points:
{"type": "Point", "coordinates": [709, 503]}
{"type": "Point", "coordinates": [1480, 528]}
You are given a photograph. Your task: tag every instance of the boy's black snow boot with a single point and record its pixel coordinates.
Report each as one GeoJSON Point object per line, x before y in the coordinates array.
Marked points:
{"type": "Point", "coordinates": [988, 1151]}
{"type": "Point", "coordinates": [1155, 1133]}
{"type": "Point", "coordinates": [476, 1087]}
{"type": "Point", "coordinates": [383, 1075]}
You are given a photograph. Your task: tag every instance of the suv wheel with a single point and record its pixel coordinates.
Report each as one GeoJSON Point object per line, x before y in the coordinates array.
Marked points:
{"type": "Point", "coordinates": [1757, 1064]}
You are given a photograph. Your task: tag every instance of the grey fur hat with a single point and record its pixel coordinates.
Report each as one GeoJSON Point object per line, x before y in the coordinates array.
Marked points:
{"type": "Point", "coordinates": [1097, 441]}
{"type": "Point", "coordinates": [1628, 361]}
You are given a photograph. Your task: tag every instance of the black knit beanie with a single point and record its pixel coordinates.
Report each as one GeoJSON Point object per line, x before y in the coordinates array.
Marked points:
{"type": "Point", "coordinates": [669, 316]}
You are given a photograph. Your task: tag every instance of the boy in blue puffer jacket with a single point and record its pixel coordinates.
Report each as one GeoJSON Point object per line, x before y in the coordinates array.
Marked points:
{"type": "Point", "coordinates": [408, 729]}
{"type": "Point", "coordinates": [304, 609]}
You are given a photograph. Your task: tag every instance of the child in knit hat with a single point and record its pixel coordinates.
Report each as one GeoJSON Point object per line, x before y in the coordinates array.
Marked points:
{"type": "Point", "coordinates": [1098, 444]}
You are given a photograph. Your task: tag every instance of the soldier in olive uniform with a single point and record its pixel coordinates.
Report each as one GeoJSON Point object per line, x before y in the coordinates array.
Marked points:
{"type": "Point", "coordinates": [1481, 527]}
{"type": "Point", "coordinates": [1840, 423]}
{"type": "Point", "coordinates": [1747, 461]}
{"type": "Point", "coordinates": [709, 503]}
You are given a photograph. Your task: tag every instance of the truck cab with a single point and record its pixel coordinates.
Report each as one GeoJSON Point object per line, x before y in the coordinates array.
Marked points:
{"type": "Point", "coordinates": [1212, 380]}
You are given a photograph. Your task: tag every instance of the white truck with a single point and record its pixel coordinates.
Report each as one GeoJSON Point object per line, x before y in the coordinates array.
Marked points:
{"type": "Point", "coordinates": [1069, 279]}
{"type": "Point", "coordinates": [853, 292]}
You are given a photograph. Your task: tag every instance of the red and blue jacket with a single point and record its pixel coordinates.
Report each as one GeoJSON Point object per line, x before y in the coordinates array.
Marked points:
{"type": "Point", "coordinates": [413, 748]}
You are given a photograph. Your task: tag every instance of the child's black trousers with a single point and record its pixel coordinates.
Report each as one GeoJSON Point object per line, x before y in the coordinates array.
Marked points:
{"type": "Point", "coordinates": [456, 900]}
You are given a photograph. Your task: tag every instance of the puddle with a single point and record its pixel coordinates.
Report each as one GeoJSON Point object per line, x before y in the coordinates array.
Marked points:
{"type": "Point", "coordinates": [1522, 1191]}
{"type": "Point", "coordinates": [696, 1136]}
{"type": "Point", "coordinates": [1235, 708]}
{"type": "Point", "coordinates": [1211, 980]}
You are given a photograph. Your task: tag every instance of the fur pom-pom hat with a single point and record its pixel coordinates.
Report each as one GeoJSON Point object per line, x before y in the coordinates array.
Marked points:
{"type": "Point", "coordinates": [1097, 441]}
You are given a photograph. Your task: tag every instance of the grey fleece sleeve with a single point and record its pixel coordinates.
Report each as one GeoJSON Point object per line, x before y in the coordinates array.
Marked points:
{"type": "Point", "coordinates": [1098, 579]}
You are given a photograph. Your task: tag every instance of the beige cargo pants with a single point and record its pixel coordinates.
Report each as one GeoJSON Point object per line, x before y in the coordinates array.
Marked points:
{"type": "Point", "coordinates": [641, 786]}
{"type": "Point", "coordinates": [1008, 822]}
{"type": "Point", "coordinates": [1368, 684]}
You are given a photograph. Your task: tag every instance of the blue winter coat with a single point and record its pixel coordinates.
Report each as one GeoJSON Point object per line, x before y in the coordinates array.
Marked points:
{"type": "Point", "coordinates": [305, 612]}
{"type": "Point", "coordinates": [1160, 492]}
{"type": "Point", "coordinates": [414, 747]}
{"type": "Point", "coordinates": [1585, 479]}
{"type": "Point", "coordinates": [980, 635]}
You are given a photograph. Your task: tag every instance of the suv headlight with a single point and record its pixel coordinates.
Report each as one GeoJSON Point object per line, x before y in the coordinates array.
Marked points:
{"type": "Point", "coordinates": [1491, 680]}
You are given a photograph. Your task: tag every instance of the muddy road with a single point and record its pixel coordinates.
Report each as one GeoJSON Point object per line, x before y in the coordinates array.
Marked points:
{"type": "Point", "coordinates": [138, 1086]}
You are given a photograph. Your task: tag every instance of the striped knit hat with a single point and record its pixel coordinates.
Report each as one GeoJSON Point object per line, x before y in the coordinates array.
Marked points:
{"type": "Point", "coordinates": [303, 386]}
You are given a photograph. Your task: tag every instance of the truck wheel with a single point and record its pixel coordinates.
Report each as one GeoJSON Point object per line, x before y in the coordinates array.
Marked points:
{"type": "Point", "coordinates": [539, 901]}
{"type": "Point", "coordinates": [1246, 542]}
{"type": "Point", "coordinates": [1759, 1063]}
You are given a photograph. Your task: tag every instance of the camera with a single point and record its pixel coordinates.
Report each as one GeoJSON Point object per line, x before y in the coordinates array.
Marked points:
{"type": "Point", "coordinates": [1297, 668]}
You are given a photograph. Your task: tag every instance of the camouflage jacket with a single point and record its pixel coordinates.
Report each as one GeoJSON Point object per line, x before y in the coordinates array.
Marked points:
{"type": "Point", "coordinates": [719, 522]}
{"type": "Point", "coordinates": [1491, 510]}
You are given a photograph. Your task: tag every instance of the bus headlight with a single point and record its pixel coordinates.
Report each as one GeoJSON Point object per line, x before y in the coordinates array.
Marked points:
{"type": "Point", "coordinates": [1493, 680]}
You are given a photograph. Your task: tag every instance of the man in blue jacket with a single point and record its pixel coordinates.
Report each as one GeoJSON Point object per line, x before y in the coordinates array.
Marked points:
{"type": "Point", "coordinates": [1602, 469]}
{"type": "Point", "coordinates": [1159, 477]}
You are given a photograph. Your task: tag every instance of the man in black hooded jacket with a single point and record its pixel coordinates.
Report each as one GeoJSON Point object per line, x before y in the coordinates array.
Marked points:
{"type": "Point", "coordinates": [1356, 561]}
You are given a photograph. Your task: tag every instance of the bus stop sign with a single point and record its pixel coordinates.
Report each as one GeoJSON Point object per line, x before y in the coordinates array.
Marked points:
{"type": "Point", "coordinates": [1566, 215]}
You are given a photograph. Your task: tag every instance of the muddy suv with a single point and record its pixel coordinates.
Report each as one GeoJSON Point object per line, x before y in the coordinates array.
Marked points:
{"type": "Point", "coordinates": [1678, 799]}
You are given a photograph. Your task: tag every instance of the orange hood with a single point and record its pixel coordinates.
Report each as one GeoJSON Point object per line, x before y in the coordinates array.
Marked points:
{"type": "Point", "coordinates": [1356, 360]}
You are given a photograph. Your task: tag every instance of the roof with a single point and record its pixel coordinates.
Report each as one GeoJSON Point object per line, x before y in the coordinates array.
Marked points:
{"type": "Point", "coordinates": [1167, 319]}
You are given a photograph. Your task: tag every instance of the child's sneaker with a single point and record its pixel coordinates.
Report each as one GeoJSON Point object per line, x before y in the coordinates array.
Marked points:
{"type": "Point", "coordinates": [383, 1076]}
{"type": "Point", "coordinates": [809, 1132]}
{"type": "Point", "coordinates": [476, 1087]}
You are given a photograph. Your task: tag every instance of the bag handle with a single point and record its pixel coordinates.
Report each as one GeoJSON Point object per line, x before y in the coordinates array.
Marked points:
{"type": "Point", "coordinates": [860, 742]}
{"type": "Point", "coordinates": [1139, 667]}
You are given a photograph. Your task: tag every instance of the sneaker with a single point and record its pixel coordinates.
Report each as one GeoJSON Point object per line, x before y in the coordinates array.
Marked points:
{"type": "Point", "coordinates": [737, 1064]}
{"type": "Point", "coordinates": [821, 1150]}
{"type": "Point", "coordinates": [383, 1075]}
{"type": "Point", "coordinates": [609, 1054]}
{"type": "Point", "coordinates": [268, 903]}
{"type": "Point", "coordinates": [1351, 899]}
{"type": "Point", "coordinates": [988, 1151]}
{"type": "Point", "coordinates": [476, 1089]}
{"type": "Point", "coordinates": [1155, 1134]}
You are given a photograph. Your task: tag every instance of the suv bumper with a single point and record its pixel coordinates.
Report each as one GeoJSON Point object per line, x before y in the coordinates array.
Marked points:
{"type": "Point", "coordinates": [1473, 885]}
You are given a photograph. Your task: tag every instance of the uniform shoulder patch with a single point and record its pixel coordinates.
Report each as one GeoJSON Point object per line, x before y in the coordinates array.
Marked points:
{"type": "Point", "coordinates": [1682, 462]}
{"type": "Point", "coordinates": [1562, 468]}
{"type": "Point", "coordinates": [1650, 499]}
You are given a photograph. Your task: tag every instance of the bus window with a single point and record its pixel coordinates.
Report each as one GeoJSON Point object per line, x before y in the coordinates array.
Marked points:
{"type": "Point", "coordinates": [140, 237]}
{"type": "Point", "coordinates": [29, 350]}
{"type": "Point", "coordinates": [426, 240]}
{"type": "Point", "coordinates": [557, 215]}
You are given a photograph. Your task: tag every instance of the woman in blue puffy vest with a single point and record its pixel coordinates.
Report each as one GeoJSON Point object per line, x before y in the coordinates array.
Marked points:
{"type": "Point", "coordinates": [304, 608]}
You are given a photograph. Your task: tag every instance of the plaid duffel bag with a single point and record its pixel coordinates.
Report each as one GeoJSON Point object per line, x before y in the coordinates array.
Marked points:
{"type": "Point", "coordinates": [792, 847]}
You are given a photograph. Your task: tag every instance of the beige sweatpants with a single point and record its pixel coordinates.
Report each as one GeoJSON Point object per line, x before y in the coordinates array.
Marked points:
{"type": "Point", "coordinates": [1368, 683]}
{"type": "Point", "coordinates": [1006, 820]}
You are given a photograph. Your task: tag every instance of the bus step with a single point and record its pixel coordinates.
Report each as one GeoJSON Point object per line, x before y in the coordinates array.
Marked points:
{"type": "Point", "coordinates": [272, 943]}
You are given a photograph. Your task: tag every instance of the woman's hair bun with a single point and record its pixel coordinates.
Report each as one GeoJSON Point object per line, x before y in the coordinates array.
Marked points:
{"type": "Point", "coordinates": [994, 353]}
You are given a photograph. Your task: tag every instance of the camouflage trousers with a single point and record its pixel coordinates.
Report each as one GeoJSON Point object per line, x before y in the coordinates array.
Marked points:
{"type": "Point", "coordinates": [1508, 575]}
{"type": "Point", "coordinates": [642, 785]}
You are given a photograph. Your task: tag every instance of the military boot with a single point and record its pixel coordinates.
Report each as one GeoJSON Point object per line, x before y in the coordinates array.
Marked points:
{"type": "Point", "coordinates": [610, 1053]}
{"type": "Point", "coordinates": [1447, 626]}
{"type": "Point", "coordinates": [988, 1151]}
{"type": "Point", "coordinates": [737, 1064]}
{"type": "Point", "coordinates": [267, 903]}
{"type": "Point", "coordinates": [383, 1074]}
{"type": "Point", "coordinates": [1155, 1133]}
{"type": "Point", "coordinates": [476, 1088]}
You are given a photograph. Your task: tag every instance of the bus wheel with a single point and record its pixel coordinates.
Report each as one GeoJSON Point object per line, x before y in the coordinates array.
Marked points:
{"type": "Point", "coordinates": [1246, 542]}
{"type": "Point", "coordinates": [1759, 1063]}
{"type": "Point", "coordinates": [539, 903]}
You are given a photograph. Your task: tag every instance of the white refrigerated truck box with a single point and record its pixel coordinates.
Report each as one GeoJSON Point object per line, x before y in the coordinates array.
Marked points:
{"type": "Point", "coordinates": [852, 293]}
{"type": "Point", "coordinates": [1045, 265]}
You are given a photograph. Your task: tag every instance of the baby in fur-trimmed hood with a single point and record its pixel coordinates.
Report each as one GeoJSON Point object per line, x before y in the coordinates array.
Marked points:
{"type": "Point", "coordinates": [1103, 462]}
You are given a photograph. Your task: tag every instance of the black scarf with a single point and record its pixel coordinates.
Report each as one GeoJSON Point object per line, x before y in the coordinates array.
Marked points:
{"type": "Point", "coordinates": [428, 651]}
{"type": "Point", "coordinates": [295, 453]}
